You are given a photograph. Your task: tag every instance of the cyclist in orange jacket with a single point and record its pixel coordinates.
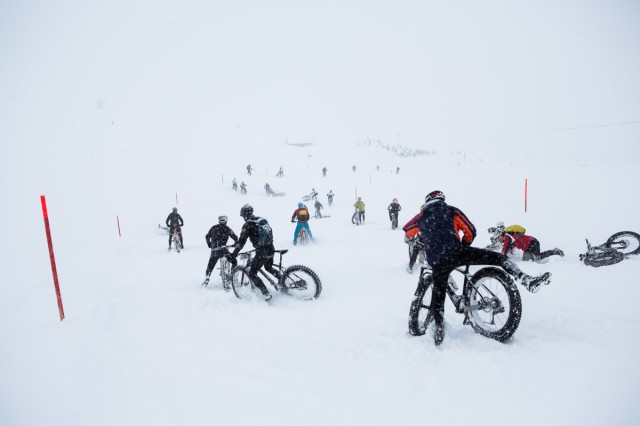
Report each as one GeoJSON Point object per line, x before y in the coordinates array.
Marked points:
{"type": "Point", "coordinates": [447, 235]}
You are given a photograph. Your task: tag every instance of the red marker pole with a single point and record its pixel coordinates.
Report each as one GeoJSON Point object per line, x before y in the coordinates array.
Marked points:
{"type": "Point", "coordinates": [526, 193]}
{"type": "Point", "coordinates": [118, 220]}
{"type": "Point", "coordinates": [45, 215]}
{"type": "Point", "coordinates": [176, 197]}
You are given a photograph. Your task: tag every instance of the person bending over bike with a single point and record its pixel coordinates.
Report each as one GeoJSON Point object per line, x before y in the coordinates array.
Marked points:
{"type": "Point", "coordinates": [175, 223]}
{"type": "Point", "coordinates": [530, 246]}
{"type": "Point", "coordinates": [394, 209]}
{"type": "Point", "coordinates": [259, 232]}
{"type": "Point", "coordinates": [318, 206]}
{"type": "Point", "coordinates": [441, 225]}
{"type": "Point", "coordinates": [359, 205]}
{"type": "Point", "coordinates": [301, 215]}
{"type": "Point", "coordinates": [217, 238]}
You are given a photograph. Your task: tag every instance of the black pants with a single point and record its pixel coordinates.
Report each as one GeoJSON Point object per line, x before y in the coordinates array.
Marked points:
{"type": "Point", "coordinates": [218, 253]}
{"type": "Point", "coordinates": [464, 256]}
{"type": "Point", "coordinates": [533, 252]}
{"type": "Point", "coordinates": [179, 230]}
{"type": "Point", "coordinates": [361, 216]}
{"type": "Point", "coordinates": [263, 259]}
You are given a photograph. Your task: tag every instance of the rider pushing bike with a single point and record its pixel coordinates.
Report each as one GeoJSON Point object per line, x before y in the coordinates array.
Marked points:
{"type": "Point", "coordinates": [301, 215]}
{"type": "Point", "coordinates": [394, 210]}
{"type": "Point", "coordinates": [259, 232]}
{"type": "Point", "coordinates": [440, 226]}
{"type": "Point", "coordinates": [175, 223]}
{"type": "Point", "coordinates": [217, 238]}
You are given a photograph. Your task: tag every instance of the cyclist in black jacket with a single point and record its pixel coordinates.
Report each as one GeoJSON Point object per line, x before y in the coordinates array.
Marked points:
{"type": "Point", "coordinates": [440, 226]}
{"type": "Point", "coordinates": [258, 231]}
{"type": "Point", "coordinates": [217, 238]}
{"type": "Point", "coordinates": [174, 221]}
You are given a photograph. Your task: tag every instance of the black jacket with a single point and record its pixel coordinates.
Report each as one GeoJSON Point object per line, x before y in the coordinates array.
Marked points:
{"type": "Point", "coordinates": [218, 236]}
{"type": "Point", "coordinates": [394, 207]}
{"type": "Point", "coordinates": [440, 226]}
{"type": "Point", "coordinates": [174, 220]}
{"type": "Point", "coordinates": [250, 231]}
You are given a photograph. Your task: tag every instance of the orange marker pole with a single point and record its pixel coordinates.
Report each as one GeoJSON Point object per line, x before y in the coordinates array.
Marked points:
{"type": "Point", "coordinates": [526, 193]}
{"type": "Point", "coordinates": [45, 215]}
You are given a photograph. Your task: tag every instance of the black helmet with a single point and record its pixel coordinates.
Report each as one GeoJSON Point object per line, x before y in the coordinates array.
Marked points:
{"type": "Point", "coordinates": [175, 210]}
{"type": "Point", "coordinates": [434, 195]}
{"type": "Point", "coordinates": [246, 211]}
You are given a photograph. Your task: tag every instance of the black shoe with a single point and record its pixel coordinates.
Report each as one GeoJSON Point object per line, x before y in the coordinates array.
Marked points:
{"type": "Point", "coordinates": [267, 297]}
{"type": "Point", "coordinates": [438, 334]}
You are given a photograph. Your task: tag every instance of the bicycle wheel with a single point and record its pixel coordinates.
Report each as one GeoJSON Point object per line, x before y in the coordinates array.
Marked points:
{"type": "Point", "coordinates": [303, 237]}
{"type": "Point", "coordinates": [226, 273]}
{"type": "Point", "coordinates": [242, 285]}
{"type": "Point", "coordinates": [493, 304]}
{"type": "Point", "coordinates": [301, 282]}
{"type": "Point", "coordinates": [626, 242]}
{"type": "Point", "coordinates": [355, 219]}
{"type": "Point", "coordinates": [176, 241]}
{"type": "Point", "coordinates": [394, 222]}
{"type": "Point", "coordinates": [609, 257]}
{"type": "Point", "coordinates": [420, 315]}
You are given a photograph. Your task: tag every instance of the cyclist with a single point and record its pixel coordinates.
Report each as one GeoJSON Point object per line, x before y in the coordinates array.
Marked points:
{"type": "Point", "coordinates": [258, 231]}
{"type": "Point", "coordinates": [494, 233]}
{"type": "Point", "coordinates": [175, 223]}
{"type": "Point", "coordinates": [267, 188]}
{"type": "Point", "coordinates": [280, 172]}
{"type": "Point", "coordinates": [217, 238]}
{"type": "Point", "coordinates": [301, 215]}
{"type": "Point", "coordinates": [394, 209]}
{"type": "Point", "coordinates": [243, 188]}
{"type": "Point", "coordinates": [440, 225]}
{"type": "Point", "coordinates": [234, 184]}
{"type": "Point", "coordinates": [314, 194]}
{"type": "Point", "coordinates": [359, 205]}
{"type": "Point", "coordinates": [330, 197]}
{"type": "Point", "coordinates": [318, 206]}
{"type": "Point", "coordinates": [513, 237]}
{"type": "Point", "coordinates": [249, 168]}
{"type": "Point", "coordinates": [324, 171]}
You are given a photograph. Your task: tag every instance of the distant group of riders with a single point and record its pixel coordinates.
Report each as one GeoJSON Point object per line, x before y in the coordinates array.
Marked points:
{"type": "Point", "coordinates": [440, 235]}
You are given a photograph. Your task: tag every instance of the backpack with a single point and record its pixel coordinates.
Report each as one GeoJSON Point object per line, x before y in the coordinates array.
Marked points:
{"type": "Point", "coordinates": [303, 215]}
{"type": "Point", "coordinates": [265, 233]}
{"type": "Point", "coordinates": [517, 229]}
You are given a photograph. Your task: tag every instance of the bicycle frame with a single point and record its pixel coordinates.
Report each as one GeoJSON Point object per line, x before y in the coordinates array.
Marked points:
{"type": "Point", "coordinates": [276, 284]}
{"type": "Point", "coordinates": [452, 287]}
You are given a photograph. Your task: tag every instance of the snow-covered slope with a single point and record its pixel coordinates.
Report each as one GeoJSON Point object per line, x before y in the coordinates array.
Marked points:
{"type": "Point", "coordinates": [128, 110]}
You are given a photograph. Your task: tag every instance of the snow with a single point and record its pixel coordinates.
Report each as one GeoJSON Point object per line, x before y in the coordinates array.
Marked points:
{"type": "Point", "coordinates": [128, 109]}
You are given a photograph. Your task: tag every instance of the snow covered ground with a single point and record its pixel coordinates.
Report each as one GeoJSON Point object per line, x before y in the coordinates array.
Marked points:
{"type": "Point", "coordinates": [113, 109]}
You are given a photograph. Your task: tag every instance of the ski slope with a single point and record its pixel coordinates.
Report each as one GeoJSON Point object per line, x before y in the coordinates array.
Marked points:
{"type": "Point", "coordinates": [128, 110]}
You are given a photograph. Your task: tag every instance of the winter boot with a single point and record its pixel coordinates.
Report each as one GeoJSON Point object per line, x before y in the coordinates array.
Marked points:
{"type": "Point", "coordinates": [438, 334]}
{"type": "Point", "coordinates": [533, 283]}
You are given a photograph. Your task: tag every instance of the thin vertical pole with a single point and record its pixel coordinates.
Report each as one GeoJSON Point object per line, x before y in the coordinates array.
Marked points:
{"type": "Point", "coordinates": [54, 270]}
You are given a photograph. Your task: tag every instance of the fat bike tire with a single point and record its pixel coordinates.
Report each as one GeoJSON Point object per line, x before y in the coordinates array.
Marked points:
{"type": "Point", "coordinates": [242, 284]}
{"type": "Point", "coordinates": [493, 305]}
{"type": "Point", "coordinates": [301, 282]}
{"type": "Point", "coordinates": [420, 315]}
{"type": "Point", "coordinates": [630, 242]}
{"type": "Point", "coordinates": [611, 257]}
